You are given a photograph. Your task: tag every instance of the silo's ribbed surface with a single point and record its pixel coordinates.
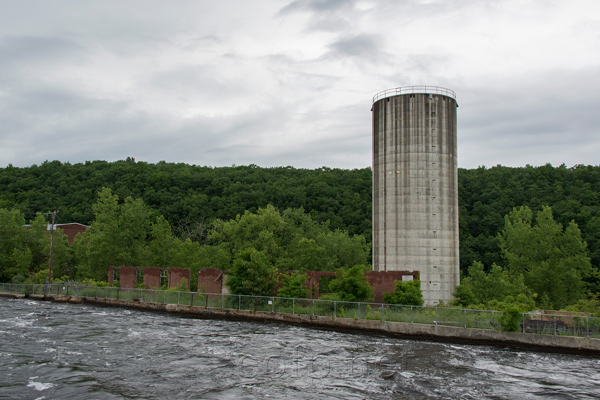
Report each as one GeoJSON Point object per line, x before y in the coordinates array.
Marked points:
{"type": "Point", "coordinates": [415, 187]}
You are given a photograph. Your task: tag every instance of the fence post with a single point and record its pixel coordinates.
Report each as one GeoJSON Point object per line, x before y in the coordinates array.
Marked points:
{"type": "Point", "coordinates": [334, 309]}
{"type": "Point", "coordinates": [293, 306]}
{"type": "Point", "coordinates": [239, 302]}
{"type": "Point", "coordinates": [96, 291]}
{"type": "Point", "coordinates": [358, 310]}
{"type": "Point", "coordinates": [273, 304]}
{"type": "Point", "coordinates": [587, 325]}
{"type": "Point", "coordinates": [381, 312]}
{"type": "Point", "coordinates": [313, 306]}
{"type": "Point", "coordinates": [493, 321]}
{"type": "Point", "coordinates": [411, 314]}
{"type": "Point", "coordinates": [555, 325]}
{"type": "Point", "coordinates": [465, 311]}
{"type": "Point", "coordinates": [436, 315]}
{"type": "Point", "coordinates": [523, 314]}
{"type": "Point", "coordinates": [222, 301]}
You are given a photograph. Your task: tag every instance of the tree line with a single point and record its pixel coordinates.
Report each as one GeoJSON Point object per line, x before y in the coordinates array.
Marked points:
{"type": "Point", "coordinates": [190, 197]}
{"type": "Point", "coordinates": [128, 232]}
{"type": "Point", "coordinates": [178, 213]}
{"type": "Point", "coordinates": [544, 265]}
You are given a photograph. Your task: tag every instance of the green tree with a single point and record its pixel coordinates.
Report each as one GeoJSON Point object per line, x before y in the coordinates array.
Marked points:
{"type": "Point", "coordinates": [118, 236]}
{"type": "Point", "coordinates": [260, 231]}
{"type": "Point", "coordinates": [62, 257]}
{"type": "Point", "coordinates": [134, 227]}
{"type": "Point", "coordinates": [252, 273]}
{"type": "Point", "coordinates": [463, 296]}
{"type": "Point", "coordinates": [100, 245]}
{"type": "Point", "coordinates": [344, 250]}
{"type": "Point", "coordinates": [24, 249]}
{"type": "Point", "coordinates": [351, 284]}
{"type": "Point", "coordinates": [481, 288]}
{"type": "Point", "coordinates": [553, 261]}
{"type": "Point", "coordinates": [305, 254]}
{"type": "Point", "coordinates": [405, 293]}
{"type": "Point", "coordinates": [510, 318]}
{"type": "Point", "coordinates": [292, 285]}
{"type": "Point", "coordinates": [19, 262]}
{"type": "Point", "coordinates": [38, 241]}
{"type": "Point", "coordinates": [189, 254]}
{"type": "Point", "coordinates": [15, 256]}
{"type": "Point", "coordinates": [292, 240]}
{"type": "Point", "coordinates": [162, 245]}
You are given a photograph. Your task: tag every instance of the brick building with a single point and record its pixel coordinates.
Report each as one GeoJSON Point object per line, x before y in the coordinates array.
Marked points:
{"type": "Point", "coordinates": [211, 280]}
{"type": "Point", "coordinates": [151, 277]}
{"type": "Point", "coordinates": [71, 229]}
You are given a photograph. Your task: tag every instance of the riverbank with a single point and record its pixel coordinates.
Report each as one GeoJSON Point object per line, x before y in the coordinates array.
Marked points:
{"type": "Point", "coordinates": [526, 341]}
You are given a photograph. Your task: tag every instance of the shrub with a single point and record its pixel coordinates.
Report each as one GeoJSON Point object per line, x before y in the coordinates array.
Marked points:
{"type": "Point", "coordinates": [292, 285]}
{"type": "Point", "coordinates": [510, 319]}
{"type": "Point", "coordinates": [351, 284]}
{"type": "Point", "coordinates": [406, 293]}
{"type": "Point", "coordinates": [182, 287]}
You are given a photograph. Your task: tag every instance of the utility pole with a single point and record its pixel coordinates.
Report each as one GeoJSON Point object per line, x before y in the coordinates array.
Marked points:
{"type": "Point", "coordinates": [53, 214]}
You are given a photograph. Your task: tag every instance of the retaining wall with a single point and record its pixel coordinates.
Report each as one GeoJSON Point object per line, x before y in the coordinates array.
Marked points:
{"type": "Point", "coordinates": [527, 341]}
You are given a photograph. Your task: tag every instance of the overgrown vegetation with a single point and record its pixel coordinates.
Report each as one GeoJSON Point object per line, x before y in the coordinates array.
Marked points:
{"type": "Point", "coordinates": [350, 284]}
{"type": "Point", "coordinates": [292, 285]}
{"type": "Point", "coordinates": [406, 293]}
{"type": "Point", "coordinates": [546, 267]}
{"type": "Point", "coordinates": [250, 247]}
{"type": "Point", "coordinates": [545, 254]}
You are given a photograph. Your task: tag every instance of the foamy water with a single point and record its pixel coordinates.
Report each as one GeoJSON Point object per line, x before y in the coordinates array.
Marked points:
{"type": "Point", "coordinates": [64, 351]}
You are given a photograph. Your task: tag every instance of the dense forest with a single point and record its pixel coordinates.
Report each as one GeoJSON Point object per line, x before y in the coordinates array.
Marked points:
{"type": "Point", "coordinates": [188, 195]}
{"type": "Point", "coordinates": [529, 237]}
{"type": "Point", "coordinates": [191, 197]}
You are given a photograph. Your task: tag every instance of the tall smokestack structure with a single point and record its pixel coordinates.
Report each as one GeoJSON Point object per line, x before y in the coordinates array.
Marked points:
{"type": "Point", "coordinates": [415, 187]}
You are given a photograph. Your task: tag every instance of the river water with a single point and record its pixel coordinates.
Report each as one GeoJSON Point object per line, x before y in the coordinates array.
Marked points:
{"type": "Point", "coordinates": [66, 351]}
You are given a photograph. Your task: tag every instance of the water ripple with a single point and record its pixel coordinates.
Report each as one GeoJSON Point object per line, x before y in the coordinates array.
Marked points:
{"type": "Point", "coordinates": [50, 350]}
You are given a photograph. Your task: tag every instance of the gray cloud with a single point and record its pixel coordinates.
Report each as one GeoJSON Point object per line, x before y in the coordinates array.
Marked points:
{"type": "Point", "coordinates": [325, 15]}
{"type": "Point", "coordinates": [21, 54]}
{"type": "Point", "coordinates": [545, 117]}
{"type": "Point", "coordinates": [361, 45]}
{"type": "Point", "coordinates": [317, 6]}
{"type": "Point", "coordinates": [234, 83]}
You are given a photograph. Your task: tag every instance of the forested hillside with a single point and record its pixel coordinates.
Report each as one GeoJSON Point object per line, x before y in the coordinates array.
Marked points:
{"type": "Point", "coordinates": [187, 194]}
{"type": "Point", "coordinates": [191, 197]}
{"type": "Point", "coordinates": [486, 196]}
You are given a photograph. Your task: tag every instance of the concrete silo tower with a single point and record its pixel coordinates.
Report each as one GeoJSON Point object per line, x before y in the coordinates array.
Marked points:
{"type": "Point", "coordinates": [415, 187]}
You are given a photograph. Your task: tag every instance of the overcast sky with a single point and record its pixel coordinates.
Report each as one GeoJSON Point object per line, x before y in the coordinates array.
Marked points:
{"type": "Point", "coordinates": [280, 82]}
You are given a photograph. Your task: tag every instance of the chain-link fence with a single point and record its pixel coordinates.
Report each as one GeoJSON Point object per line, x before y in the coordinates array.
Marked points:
{"type": "Point", "coordinates": [566, 324]}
